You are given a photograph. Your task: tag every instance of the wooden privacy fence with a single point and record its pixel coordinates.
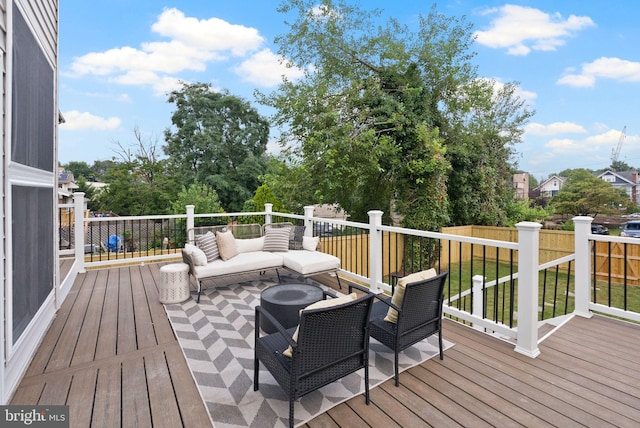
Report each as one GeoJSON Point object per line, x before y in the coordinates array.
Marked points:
{"type": "Point", "coordinates": [353, 251]}
{"type": "Point", "coordinates": [618, 261]}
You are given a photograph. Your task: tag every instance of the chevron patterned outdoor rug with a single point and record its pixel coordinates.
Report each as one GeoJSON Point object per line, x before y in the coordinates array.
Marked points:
{"type": "Point", "coordinates": [217, 337]}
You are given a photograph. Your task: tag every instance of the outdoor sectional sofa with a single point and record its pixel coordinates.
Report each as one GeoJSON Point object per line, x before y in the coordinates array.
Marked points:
{"type": "Point", "coordinates": [219, 254]}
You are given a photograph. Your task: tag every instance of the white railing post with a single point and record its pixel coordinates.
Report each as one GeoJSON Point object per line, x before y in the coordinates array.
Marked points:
{"type": "Point", "coordinates": [582, 229]}
{"type": "Point", "coordinates": [268, 208]}
{"type": "Point", "coordinates": [528, 247]}
{"type": "Point", "coordinates": [78, 229]}
{"type": "Point", "coordinates": [478, 299]}
{"type": "Point", "coordinates": [308, 220]}
{"type": "Point", "coordinates": [375, 251]}
{"type": "Point", "coordinates": [191, 236]}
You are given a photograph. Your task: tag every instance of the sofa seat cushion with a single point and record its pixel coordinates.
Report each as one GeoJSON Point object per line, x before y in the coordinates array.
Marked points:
{"type": "Point", "coordinates": [308, 262]}
{"type": "Point", "coordinates": [243, 262]}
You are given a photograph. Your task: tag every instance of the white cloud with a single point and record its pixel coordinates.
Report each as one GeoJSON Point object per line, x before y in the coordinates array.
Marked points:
{"type": "Point", "coordinates": [604, 67]}
{"type": "Point", "coordinates": [609, 139]}
{"type": "Point", "coordinates": [266, 69]}
{"type": "Point", "coordinates": [555, 128]}
{"type": "Point", "coordinates": [209, 34]}
{"type": "Point", "coordinates": [522, 29]}
{"type": "Point", "coordinates": [564, 145]}
{"type": "Point", "coordinates": [75, 120]}
{"type": "Point", "coordinates": [526, 95]}
{"type": "Point", "coordinates": [193, 44]}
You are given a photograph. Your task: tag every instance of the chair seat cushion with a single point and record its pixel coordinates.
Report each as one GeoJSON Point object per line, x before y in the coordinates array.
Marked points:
{"type": "Point", "coordinates": [308, 262]}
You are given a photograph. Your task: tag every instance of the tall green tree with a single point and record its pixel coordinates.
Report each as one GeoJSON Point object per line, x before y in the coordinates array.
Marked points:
{"type": "Point", "coordinates": [141, 183]}
{"type": "Point", "coordinates": [384, 112]}
{"type": "Point", "coordinates": [79, 169]}
{"type": "Point", "coordinates": [202, 197]}
{"type": "Point", "coordinates": [219, 140]}
{"type": "Point", "coordinates": [585, 194]}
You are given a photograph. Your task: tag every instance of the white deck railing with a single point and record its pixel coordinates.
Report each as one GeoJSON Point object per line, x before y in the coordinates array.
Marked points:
{"type": "Point", "coordinates": [525, 333]}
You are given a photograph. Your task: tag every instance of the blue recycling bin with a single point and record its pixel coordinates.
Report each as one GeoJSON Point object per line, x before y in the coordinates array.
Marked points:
{"type": "Point", "coordinates": [114, 243]}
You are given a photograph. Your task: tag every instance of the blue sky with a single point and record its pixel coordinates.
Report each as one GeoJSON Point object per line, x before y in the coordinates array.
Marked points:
{"type": "Point", "coordinates": [577, 63]}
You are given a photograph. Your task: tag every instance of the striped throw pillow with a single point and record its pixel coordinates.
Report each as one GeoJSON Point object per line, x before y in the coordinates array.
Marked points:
{"type": "Point", "coordinates": [277, 239]}
{"type": "Point", "coordinates": [208, 244]}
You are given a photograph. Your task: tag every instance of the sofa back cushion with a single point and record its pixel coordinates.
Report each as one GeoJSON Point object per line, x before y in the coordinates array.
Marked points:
{"type": "Point", "coordinates": [250, 245]}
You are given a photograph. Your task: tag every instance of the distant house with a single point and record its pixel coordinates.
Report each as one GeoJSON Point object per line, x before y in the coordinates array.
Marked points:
{"type": "Point", "coordinates": [551, 186]}
{"type": "Point", "coordinates": [330, 212]}
{"type": "Point", "coordinates": [31, 292]}
{"type": "Point", "coordinates": [521, 185]}
{"type": "Point", "coordinates": [625, 180]}
{"type": "Point", "coordinates": [66, 186]}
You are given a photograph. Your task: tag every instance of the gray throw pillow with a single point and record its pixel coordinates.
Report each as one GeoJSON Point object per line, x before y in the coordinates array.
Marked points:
{"type": "Point", "coordinates": [295, 239]}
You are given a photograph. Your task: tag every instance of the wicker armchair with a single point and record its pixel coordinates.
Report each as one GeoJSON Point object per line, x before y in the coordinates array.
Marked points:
{"type": "Point", "coordinates": [332, 343]}
{"type": "Point", "coordinates": [419, 316]}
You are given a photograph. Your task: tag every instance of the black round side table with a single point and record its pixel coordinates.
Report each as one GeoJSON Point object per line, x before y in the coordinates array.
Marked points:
{"type": "Point", "coordinates": [284, 303]}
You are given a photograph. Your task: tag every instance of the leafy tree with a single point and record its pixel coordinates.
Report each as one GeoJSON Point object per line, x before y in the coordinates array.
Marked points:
{"type": "Point", "coordinates": [262, 196]}
{"type": "Point", "coordinates": [202, 197]}
{"type": "Point", "coordinates": [290, 184]}
{"type": "Point", "coordinates": [525, 210]}
{"type": "Point", "coordinates": [620, 166]}
{"type": "Point", "coordinates": [140, 184]}
{"type": "Point", "coordinates": [585, 194]}
{"type": "Point", "coordinates": [79, 169]}
{"type": "Point", "coordinates": [219, 140]}
{"type": "Point", "coordinates": [100, 167]}
{"type": "Point", "coordinates": [89, 193]}
{"type": "Point", "coordinates": [383, 113]}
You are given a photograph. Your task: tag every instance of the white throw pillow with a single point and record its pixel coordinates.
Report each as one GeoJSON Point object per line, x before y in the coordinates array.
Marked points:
{"type": "Point", "coordinates": [197, 255]}
{"type": "Point", "coordinates": [310, 243]}
{"type": "Point", "coordinates": [325, 303]}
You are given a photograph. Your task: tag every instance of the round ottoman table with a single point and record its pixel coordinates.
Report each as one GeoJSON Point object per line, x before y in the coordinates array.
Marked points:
{"type": "Point", "coordinates": [284, 303]}
{"type": "Point", "coordinates": [174, 286]}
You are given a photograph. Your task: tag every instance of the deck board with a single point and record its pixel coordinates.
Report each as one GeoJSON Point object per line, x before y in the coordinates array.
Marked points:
{"type": "Point", "coordinates": [111, 355]}
{"type": "Point", "coordinates": [135, 397]}
{"type": "Point", "coordinates": [126, 320]}
{"type": "Point", "coordinates": [106, 345]}
{"type": "Point", "coordinates": [89, 333]}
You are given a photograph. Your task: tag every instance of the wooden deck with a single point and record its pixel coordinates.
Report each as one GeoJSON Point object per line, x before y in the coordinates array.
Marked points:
{"type": "Point", "coordinates": [112, 357]}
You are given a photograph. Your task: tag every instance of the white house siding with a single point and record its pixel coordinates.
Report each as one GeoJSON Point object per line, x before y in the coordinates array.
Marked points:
{"type": "Point", "coordinates": [41, 20]}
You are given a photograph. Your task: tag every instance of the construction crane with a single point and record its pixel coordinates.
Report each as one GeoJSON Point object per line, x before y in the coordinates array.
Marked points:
{"type": "Point", "coordinates": [616, 152]}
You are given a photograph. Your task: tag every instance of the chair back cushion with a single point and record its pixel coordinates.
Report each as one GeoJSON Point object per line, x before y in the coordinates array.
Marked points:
{"type": "Point", "coordinates": [325, 303]}
{"type": "Point", "coordinates": [423, 304]}
{"type": "Point", "coordinates": [398, 293]}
